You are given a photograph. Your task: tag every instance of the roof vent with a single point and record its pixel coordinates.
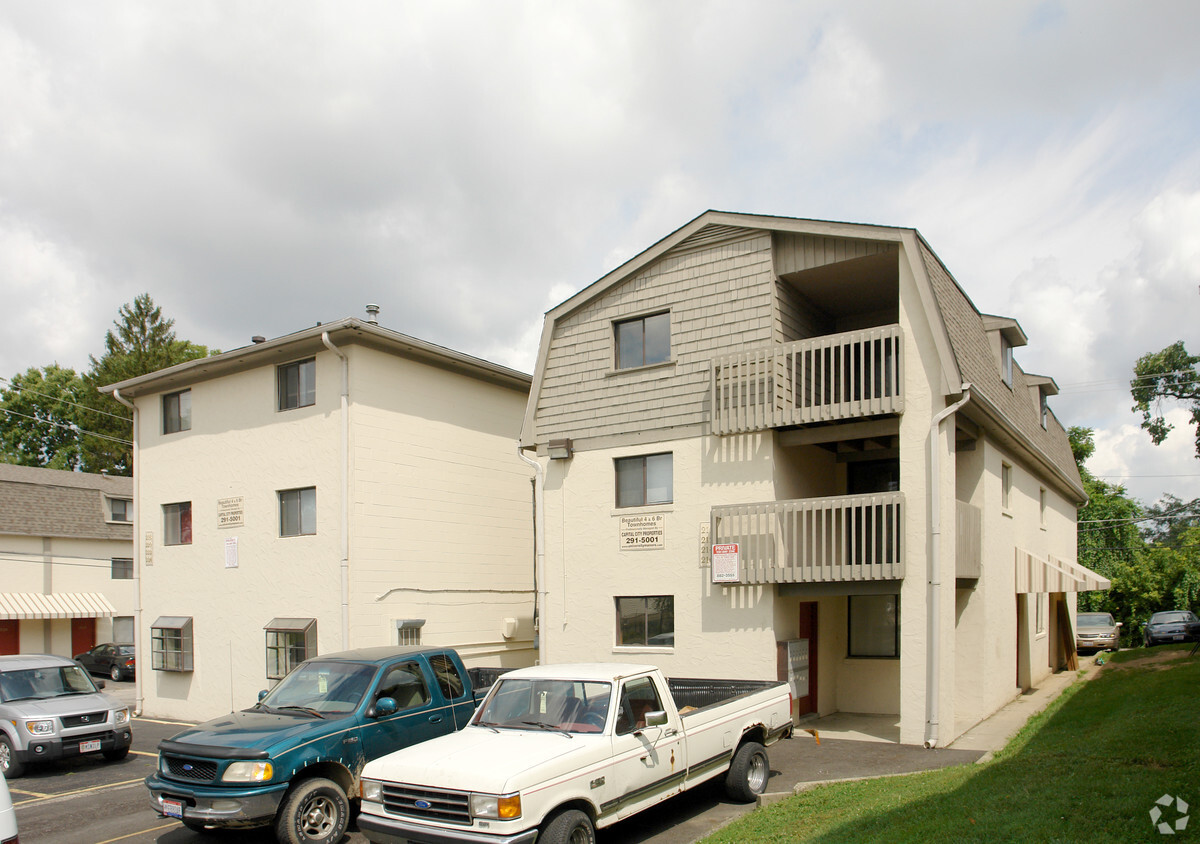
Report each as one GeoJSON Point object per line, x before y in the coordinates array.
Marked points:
{"type": "Point", "coordinates": [258, 338]}
{"type": "Point", "coordinates": [373, 314]}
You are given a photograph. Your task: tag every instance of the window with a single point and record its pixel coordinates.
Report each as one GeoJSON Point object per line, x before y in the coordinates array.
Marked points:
{"type": "Point", "coordinates": [1042, 506]}
{"type": "Point", "coordinates": [646, 621]}
{"type": "Point", "coordinates": [874, 626]}
{"type": "Point", "coordinates": [1041, 600]}
{"type": "Point", "coordinates": [1044, 407]}
{"type": "Point", "coordinates": [1005, 486]}
{"type": "Point", "coordinates": [644, 480]}
{"type": "Point", "coordinates": [177, 523]}
{"type": "Point", "coordinates": [171, 643]}
{"type": "Point", "coordinates": [637, 698]}
{"type": "Point", "coordinates": [449, 679]}
{"type": "Point", "coordinates": [408, 631]}
{"type": "Point", "coordinates": [298, 511]}
{"type": "Point", "coordinates": [122, 568]}
{"type": "Point", "coordinates": [1006, 360]}
{"type": "Point", "coordinates": [120, 510]}
{"type": "Point", "coordinates": [177, 412]}
{"type": "Point", "coordinates": [297, 384]}
{"type": "Point", "coordinates": [405, 684]}
{"type": "Point", "coordinates": [643, 341]}
{"type": "Point", "coordinates": [290, 641]}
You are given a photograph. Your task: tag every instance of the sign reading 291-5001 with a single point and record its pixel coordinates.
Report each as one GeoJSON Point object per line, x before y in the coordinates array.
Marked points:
{"type": "Point", "coordinates": [641, 532]}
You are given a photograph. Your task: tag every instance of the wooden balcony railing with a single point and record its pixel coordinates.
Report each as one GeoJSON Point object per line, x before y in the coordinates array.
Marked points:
{"type": "Point", "coordinates": [816, 540]}
{"type": "Point", "coordinates": [830, 378]}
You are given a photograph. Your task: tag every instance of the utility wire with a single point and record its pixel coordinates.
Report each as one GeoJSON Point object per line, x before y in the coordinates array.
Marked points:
{"type": "Point", "coordinates": [74, 428]}
{"type": "Point", "coordinates": [61, 400]}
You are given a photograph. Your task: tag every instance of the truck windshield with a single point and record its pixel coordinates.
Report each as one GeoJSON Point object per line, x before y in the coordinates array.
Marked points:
{"type": "Point", "coordinates": [329, 688]}
{"type": "Point", "coordinates": [571, 706]}
{"type": "Point", "coordinates": [42, 683]}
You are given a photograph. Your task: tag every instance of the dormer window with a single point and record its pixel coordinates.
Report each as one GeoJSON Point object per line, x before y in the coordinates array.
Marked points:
{"type": "Point", "coordinates": [1005, 334]}
{"type": "Point", "coordinates": [120, 510]}
{"type": "Point", "coordinates": [1044, 408]}
{"type": "Point", "coordinates": [1006, 360]}
{"type": "Point", "coordinates": [643, 341]}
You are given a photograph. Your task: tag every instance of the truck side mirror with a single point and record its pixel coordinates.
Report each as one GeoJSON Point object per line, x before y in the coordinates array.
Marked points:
{"type": "Point", "coordinates": [262, 694]}
{"type": "Point", "coordinates": [656, 719]}
{"type": "Point", "coordinates": [385, 706]}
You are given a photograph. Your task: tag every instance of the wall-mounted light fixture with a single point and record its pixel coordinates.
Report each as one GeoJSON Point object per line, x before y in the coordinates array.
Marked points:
{"type": "Point", "coordinates": [559, 449]}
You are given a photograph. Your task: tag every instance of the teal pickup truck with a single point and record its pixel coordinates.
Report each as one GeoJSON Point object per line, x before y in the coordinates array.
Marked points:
{"type": "Point", "coordinates": [294, 758]}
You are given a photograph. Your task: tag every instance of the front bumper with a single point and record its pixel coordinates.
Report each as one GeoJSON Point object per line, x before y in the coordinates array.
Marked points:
{"type": "Point", "coordinates": [68, 747]}
{"type": "Point", "coordinates": [218, 806]}
{"type": "Point", "coordinates": [383, 830]}
{"type": "Point", "coordinates": [1098, 642]}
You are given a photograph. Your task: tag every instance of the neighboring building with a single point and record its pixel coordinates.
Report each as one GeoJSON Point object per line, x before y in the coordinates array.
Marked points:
{"type": "Point", "coordinates": [738, 428]}
{"type": "Point", "coordinates": [66, 553]}
{"type": "Point", "coordinates": [342, 486]}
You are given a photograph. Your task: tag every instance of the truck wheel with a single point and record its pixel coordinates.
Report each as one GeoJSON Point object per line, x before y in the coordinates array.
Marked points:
{"type": "Point", "coordinates": [569, 827]}
{"type": "Point", "coordinates": [10, 765]}
{"type": "Point", "coordinates": [316, 810]}
{"type": "Point", "coordinates": [748, 773]}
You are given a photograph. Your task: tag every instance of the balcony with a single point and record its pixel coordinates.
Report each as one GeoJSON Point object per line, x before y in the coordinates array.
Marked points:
{"type": "Point", "coordinates": [831, 378]}
{"type": "Point", "coordinates": [816, 540]}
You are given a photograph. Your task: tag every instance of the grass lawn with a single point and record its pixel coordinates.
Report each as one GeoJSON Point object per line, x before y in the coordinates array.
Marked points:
{"type": "Point", "coordinates": [1089, 768]}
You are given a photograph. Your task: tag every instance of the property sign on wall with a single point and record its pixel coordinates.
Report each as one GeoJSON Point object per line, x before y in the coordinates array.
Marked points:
{"type": "Point", "coordinates": [231, 512]}
{"type": "Point", "coordinates": [149, 553]}
{"type": "Point", "coordinates": [725, 563]}
{"type": "Point", "coordinates": [642, 532]}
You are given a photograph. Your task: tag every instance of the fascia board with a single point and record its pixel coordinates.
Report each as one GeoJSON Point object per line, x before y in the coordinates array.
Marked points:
{"type": "Point", "coordinates": [951, 374]}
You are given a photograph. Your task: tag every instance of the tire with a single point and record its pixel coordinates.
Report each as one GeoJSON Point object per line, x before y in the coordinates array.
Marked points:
{"type": "Point", "coordinates": [748, 773]}
{"type": "Point", "coordinates": [569, 827]}
{"type": "Point", "coordinates": [116, 755]}
{"type": "Point", "coordinates": [115, 673]}
{"type": "Point", "coordinates": [10, 765]}
{"type": "Point", "coordinates": [315, 810]}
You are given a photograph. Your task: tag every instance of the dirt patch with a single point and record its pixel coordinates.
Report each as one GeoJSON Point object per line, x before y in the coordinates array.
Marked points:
{"type": "Point", "coordinates": [1160, 661]}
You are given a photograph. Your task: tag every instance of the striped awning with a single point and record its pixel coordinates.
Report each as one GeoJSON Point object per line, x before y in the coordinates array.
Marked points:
{"type": "Point", "coordinates": [28, 605]}
{"type": "Point", "coordinates": [1035, 575]}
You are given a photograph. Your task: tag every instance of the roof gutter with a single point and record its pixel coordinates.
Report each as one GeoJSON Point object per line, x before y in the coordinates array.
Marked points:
{"type": "Point", "coordinates": [345, 461]}
{"type": "Point", "coordinates": [138, 676]}
{"type": "Point", "coordinates": [933, 647]}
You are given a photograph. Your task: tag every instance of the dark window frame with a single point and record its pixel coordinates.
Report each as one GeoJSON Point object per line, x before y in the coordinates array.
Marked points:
{"type": "Point", "coordinates": [666, 617]}
{"type": "Point", "coordinates": [182, 533]}
{"type": "Point", "coordinates": [632, 338]}
{"type": "Point", "coordinates": [630, 464]}
{"type": "Point", "coordinates": [850, 638]}
{"type": "Point", "coordinates": [286, 512]}
{"type": "Point", "coordinates": [291, 390]}
{"type": "Point", "coordinates": [171, 644]}
{"type": "Point", "coordinates": [177, 412]}
{"type": "Point", "coordinates": [122, 568]}
{"type": "Point", "coordinates": [289, 641]}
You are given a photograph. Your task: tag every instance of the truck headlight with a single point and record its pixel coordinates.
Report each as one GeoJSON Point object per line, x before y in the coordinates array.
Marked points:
{"type": "Point", "coordinates": [40, 728]}
{"type": "Point", "coordinates": [501, 807]}
{"type": "Point", "coordinates": [121, 716]}
{"type": "Point", "coordinates": [371, 790]}
{"type": "Point", "coordinates": [248, 772]}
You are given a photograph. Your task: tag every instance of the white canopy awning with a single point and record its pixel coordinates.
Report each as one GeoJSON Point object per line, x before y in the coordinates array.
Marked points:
{"type": "Point", "coordinates": [28, 605]}
{"type": "Point", "coordinates": [1035, 575]}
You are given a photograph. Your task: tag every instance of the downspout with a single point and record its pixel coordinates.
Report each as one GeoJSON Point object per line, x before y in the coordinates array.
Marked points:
{"type": "Point", "coordinates": [934, 605]}
{"type": "Point", "coordinates": [138, 699]}
{"type": "Point", "coordinates": [539, 553]}
{"type": "Point", "coordinates": [345, 460]}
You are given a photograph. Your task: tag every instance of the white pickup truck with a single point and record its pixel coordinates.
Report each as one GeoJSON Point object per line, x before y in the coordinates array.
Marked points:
{"type": "Point", "coordinates": [557, 751]}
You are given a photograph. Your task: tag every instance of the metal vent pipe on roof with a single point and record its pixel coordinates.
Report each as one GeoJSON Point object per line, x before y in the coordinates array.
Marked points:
{"type": "Point", "coordinates": [373, 314]}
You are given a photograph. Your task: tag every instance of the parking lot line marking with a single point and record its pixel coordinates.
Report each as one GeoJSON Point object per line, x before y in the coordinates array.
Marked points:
{"type": "Point", "coordinates": [76, 791]}
{"type": "Point", "coordinates": [168, 723]}
{"type": "Point", "coordinates": [15, 790]}
{"type": "Point", "coordinates": [144, 753]}
{"type": "Point", "coordinates": [142, 832]}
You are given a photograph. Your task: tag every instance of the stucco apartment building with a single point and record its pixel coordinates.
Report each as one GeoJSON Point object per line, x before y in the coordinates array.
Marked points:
{"type": "Point", "coordinates": [66, 557]}
{"type": "Point", "coordinates": [775, 447]}
{"type": "Point", "coordinates": [339, 487]}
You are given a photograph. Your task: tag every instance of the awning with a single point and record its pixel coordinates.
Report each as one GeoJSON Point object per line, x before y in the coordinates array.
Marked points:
{"type": "Point", "coordinates": [1035, 575]}
{"type": "Point", "coordinates": [26, 605]}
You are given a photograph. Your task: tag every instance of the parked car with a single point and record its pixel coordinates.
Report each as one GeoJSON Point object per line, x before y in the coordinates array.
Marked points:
{"type": "Point", "coordinates": [51, 709]}
{"type": "Point", "coordinates": [8, 815]}
{"type": "Point", "coordinates": [294, 758]}
{"type": "Point", "coordinates": [1168, 626]}
{"type": "Point", "coordinates": [1097, 631]}
{"type": "Point", "coordinates": [114, 659]}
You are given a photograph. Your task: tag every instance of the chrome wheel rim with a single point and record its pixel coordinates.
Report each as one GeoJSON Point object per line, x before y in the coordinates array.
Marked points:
{"type": "Point", "coordinates": [756, 776]}
{"type": "Point", "coordinates": [318, 816]}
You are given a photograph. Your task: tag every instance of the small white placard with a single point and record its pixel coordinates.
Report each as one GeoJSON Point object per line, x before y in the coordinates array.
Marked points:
{"type": "Point", "coordinates": [149, 548]}
{"type": "Point", "coordinates": [231, 552]}
{"type": "Point", "coordinates": [725, 563]}
{"type": "Point", "coordinates": [638, 533]}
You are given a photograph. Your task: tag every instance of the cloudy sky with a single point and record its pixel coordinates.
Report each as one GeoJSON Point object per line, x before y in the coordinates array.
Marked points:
{"type": "Point", "coordinates": [261, 166]}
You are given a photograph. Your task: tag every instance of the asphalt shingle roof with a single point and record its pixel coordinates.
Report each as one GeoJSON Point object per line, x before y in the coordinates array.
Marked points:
{"type": "Point", "coordinates": [52, 502]}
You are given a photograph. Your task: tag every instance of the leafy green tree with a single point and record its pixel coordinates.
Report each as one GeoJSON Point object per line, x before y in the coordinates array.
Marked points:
{"type": "Point", "coordinates": [141, 341]}
{"type": "Point", "coordinates": [1168, 375]}
{"type": "Point", "coordinates": [1169, 519]}
{"type": "Point", "coordinates": [38, 413]}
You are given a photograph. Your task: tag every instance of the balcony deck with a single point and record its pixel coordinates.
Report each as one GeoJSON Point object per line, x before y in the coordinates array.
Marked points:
{"type": "Point", "coordinates": [816, 540]}
{"type": "Point", "coordinates": [835, 377]}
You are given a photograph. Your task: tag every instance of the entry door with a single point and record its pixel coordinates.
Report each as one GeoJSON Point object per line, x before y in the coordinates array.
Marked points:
{"type": "Point", "coordinates": [798, 661]}
{"type": "Point", "coordinates": [648, 763]}
{"type": "Point", "coordinates": [10, 636]}
{"type": "Point", "coordinates": [83, 635]}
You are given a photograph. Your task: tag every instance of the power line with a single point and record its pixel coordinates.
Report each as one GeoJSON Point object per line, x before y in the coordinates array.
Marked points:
{"type": "Point", "coordinates": [73, 428]}
{"type": "Point", "coordinates": [61, 400]}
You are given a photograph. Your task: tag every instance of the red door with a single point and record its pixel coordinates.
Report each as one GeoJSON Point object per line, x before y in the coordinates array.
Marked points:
{"type": "Point", "coordinates": [10, 636]}
{"type": "Point", "coordinates": [83, 635]}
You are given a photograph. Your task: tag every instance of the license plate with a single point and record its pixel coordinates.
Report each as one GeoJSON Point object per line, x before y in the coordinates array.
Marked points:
{"type": "Point", "coordinates": [1178, 637]}
{"type": "Point", "coordinates": [89, 746]}
{"type": "Point", "coordinates": [172, 808]}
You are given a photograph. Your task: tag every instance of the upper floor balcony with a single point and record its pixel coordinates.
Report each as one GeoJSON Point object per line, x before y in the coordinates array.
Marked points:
{"type": "Point", "coordinates": [816, 540]}
{"type": "Point", "coordinates": [835, 377]}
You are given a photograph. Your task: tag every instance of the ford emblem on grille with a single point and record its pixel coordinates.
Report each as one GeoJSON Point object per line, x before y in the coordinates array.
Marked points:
{"type": "Point", "coordinates": [188, 768]}
{"type": "Point", "coordinates": [422, 804]}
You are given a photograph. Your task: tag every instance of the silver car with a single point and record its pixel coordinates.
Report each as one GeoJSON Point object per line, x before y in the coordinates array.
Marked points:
{"type": "Point", "coordinates": [1096, 631]}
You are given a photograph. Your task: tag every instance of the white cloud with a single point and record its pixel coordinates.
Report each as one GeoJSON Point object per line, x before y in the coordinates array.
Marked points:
{"type": "Point", "coordinates": [1125, 455]}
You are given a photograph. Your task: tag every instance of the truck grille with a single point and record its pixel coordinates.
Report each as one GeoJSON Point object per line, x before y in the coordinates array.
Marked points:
{"type": "Point", "coordinates": [435, 804]}
{"type": "Point", "coordinates": [199, 770]}
{"type": "Point", "coordinates": [85, 719]}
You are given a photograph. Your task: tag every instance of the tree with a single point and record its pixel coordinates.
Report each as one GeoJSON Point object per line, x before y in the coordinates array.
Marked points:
{"type": "Point", "coordinates": [38, 419]}
{"type": "Point", "coordinates": [1170, 374]}
{"type": "Point", "coordinates": [142, 342]}
{"type": "Point", "coordinates": [1169, 519]}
